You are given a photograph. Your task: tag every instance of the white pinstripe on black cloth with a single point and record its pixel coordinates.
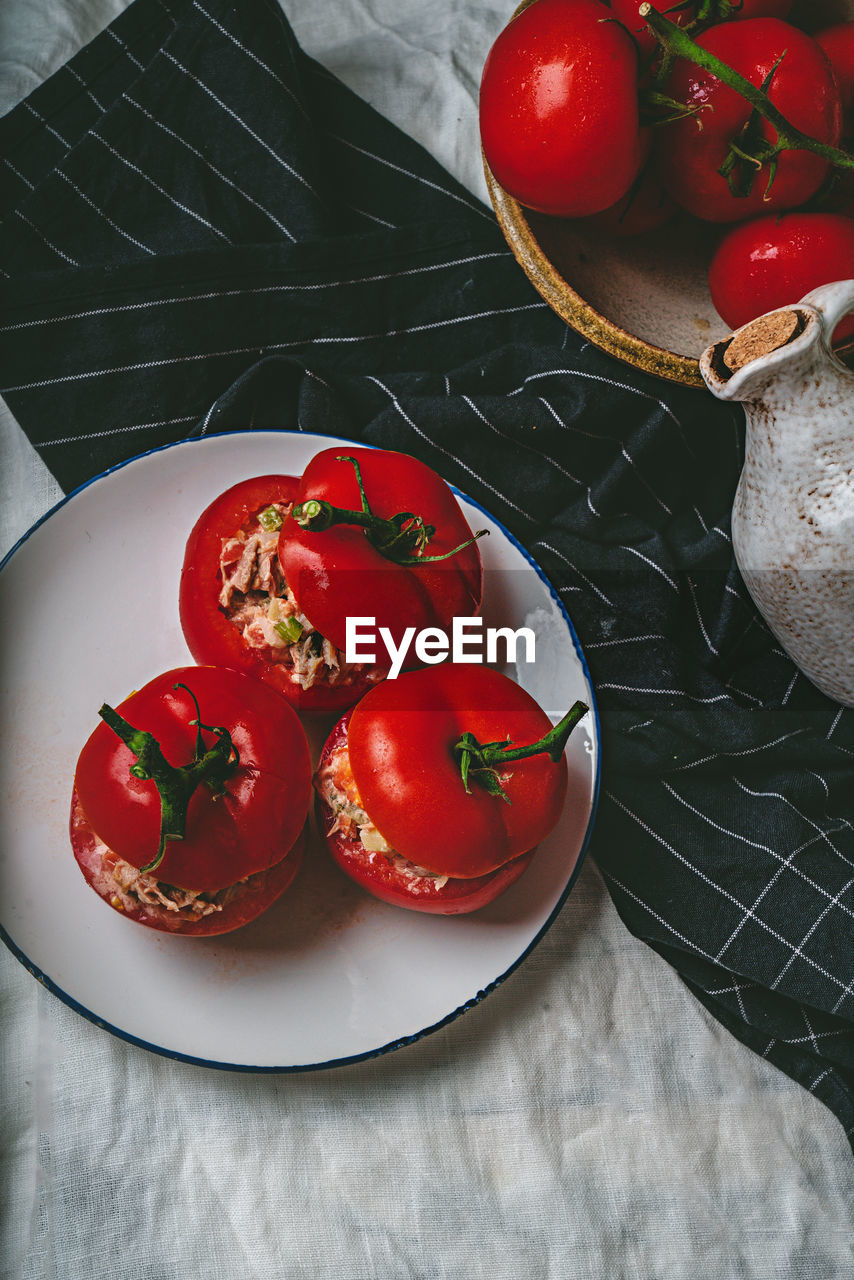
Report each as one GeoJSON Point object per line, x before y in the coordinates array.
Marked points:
{"type": "Point", "coordinates": [202, 230]}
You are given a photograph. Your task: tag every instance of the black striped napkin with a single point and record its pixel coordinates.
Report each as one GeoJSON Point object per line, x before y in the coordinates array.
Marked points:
{"type": "Point", "coordinates": [203, 230]}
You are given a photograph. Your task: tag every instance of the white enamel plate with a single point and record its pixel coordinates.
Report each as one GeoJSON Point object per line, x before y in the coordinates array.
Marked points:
{"type": "Point", "coordinates": [328, 975]}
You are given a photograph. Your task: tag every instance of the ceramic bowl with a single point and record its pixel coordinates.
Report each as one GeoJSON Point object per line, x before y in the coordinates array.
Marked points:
{"type": "Point", "coordinates": [644, 300]}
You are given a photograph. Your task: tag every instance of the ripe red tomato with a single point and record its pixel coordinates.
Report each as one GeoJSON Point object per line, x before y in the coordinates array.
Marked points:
{"type": "Point", "coordinates": [233, 628]}
{"type": "Point", "coordinates": [395, 880]}
{"type": "Point", "coordinates": [775, 261]}
{"type": "Point", "coordinates": [242, 843]}
{"type": "Point", "coordinates": [338, 571]}
{"type": "Point", "coordinates": [691, 151]}
{"type": "Point", "coordinates": [396, 808]}
{"type": "Point", "coordinates": [724, 10]}
{"type": "Point", "coordinates": [838, 44]}
{"type": "Point", "coordinates": [558, 108]}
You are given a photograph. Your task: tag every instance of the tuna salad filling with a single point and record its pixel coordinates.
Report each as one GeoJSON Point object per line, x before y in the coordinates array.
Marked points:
{"type": "Point", "coordinates": [336, 786]}
{"type": "Point", "coordinates": [134, 888]}
{"type": "Point", "coordinates": [258, 601]}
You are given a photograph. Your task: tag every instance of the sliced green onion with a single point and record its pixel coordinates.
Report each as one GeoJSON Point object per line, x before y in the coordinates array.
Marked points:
{"type": "Point", "coordinates": [270, 519]}
{"type": "Point", "coordinates": [290, 630]}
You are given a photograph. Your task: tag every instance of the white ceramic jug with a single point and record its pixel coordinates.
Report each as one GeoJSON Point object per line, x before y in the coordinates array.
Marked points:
{"type": "Point", "coordinates": [793, 515]}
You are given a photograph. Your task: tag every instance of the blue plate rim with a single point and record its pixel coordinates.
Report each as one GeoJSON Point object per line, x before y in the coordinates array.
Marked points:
{"type": "Point", "coordinates": [402, 1041]}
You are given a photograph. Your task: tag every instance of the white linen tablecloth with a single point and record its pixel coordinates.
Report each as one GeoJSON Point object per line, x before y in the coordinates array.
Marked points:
{"type": "Point", "coordinates": [589, 1119]}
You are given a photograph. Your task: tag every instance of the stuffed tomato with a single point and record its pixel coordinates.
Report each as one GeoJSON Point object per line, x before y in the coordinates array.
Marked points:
{"type": "Point", "coordinates": [435, 790]}
{"type": "Point", "coordinates": [238, 609]}
{"type": "Point", "coordinates": [190, 801]}
{"type": "Point", "coordinates": [275, 566]}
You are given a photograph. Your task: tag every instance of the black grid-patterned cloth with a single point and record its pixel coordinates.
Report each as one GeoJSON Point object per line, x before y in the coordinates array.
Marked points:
{"type": "Point", "coordinates": [203, 230]}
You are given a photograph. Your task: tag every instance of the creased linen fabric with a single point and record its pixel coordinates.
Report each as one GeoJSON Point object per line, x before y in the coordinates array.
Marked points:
{"type": "Point", "coordinates": [203, 230]}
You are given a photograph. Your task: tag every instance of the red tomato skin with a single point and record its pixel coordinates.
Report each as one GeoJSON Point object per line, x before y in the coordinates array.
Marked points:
{"type": "Point", "coordinates": [380, 877]}
{"type": "Point", "coordinates": [246, 830]}
{"type": "Point", "coordinates": [264, 888]}
{"type": "Point", "coordinates": [775, 261]}
{"type": "Point", "coordinates": [211, 638]}
{"type": "Point", "coordinates": [627, 12]}
{"type": "Point", "coordinates": [338, 573]}
{"type": "Point", "coordinates": [838, 44]}
{"type": "Point", "coordinates": [763, 9]}
{"type": "Point", "coordinates": [645, 207]}
{"type": "Point", "coordinates": [649, 208]}
{"type": "Point", "coordinates": [558, 108]}
{"type": "Point", "coordinates": [690, 151]}
{"type": "Point", "coordinates": [401, 739]}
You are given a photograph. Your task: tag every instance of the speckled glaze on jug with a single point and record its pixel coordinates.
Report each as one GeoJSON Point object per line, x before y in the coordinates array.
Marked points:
{"type": "Point", "coordinates": [793, 514]}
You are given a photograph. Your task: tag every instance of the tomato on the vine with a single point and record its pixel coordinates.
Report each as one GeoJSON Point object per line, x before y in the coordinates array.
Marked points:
{"type": "Point", "coordinates": [723, 129]}
{"type": "Point", "coordinates": [190, 800]}
{"type": "Point", "coordinates": [436, 788]}
{"type": "Point", "coordinates": [774, 261]}
{"type": "Point", "coordinates": [559, 109]}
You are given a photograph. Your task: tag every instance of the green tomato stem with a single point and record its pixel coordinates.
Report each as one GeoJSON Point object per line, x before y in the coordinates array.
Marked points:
{"type": "Point", "coordinates": [401, 538]}
{"type": "Point", "coordinates": [317, 515]}
{"type": "Point", "coordinates": [175, 785]}
{"type": "Point", "coordinates": [481, 762]}
{"type": "Point", "coordinates": [678, 44]}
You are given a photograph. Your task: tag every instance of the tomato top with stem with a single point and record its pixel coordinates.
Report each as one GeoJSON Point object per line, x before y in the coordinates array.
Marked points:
{"type": "Point", "coordinates": [408, 560]}
{"type": "Point", "coordinates": [238, 820]}
{"type": "Point", "coordinates": [763, 118]}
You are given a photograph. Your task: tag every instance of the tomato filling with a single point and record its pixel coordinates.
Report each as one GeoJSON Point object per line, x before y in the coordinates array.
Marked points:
{"type": "Point", "coordinates": [336, 786]}
{"type": "Point", "coordinates": [185, 904]}
{"type": "Point", "coordinates": [258, 601]}
{"type": "Point", "coordinates": [126, 888]}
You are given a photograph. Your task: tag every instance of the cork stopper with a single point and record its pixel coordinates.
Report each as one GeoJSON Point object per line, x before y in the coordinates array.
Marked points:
{"type": "Point", "coordinates": [761, 337]}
